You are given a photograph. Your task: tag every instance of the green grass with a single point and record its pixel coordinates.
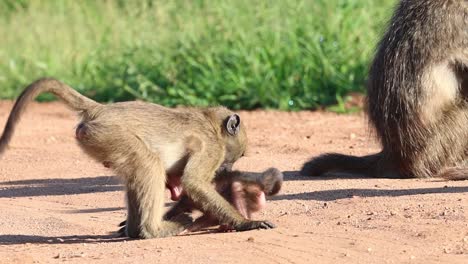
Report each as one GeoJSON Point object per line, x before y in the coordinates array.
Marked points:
{"type": "Point", "coordinates": [294, 54]}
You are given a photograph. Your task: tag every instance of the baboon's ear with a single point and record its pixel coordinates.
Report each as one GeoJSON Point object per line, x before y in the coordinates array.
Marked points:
{"type": "Point", "coordinates": [232, 124]}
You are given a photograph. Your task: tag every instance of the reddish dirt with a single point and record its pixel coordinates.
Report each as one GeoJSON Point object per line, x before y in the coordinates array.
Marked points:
{"type": "Point", "coordinates": [57, 205]}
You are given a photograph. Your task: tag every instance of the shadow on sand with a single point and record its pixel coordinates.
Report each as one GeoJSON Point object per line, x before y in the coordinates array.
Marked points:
{"type": "Point", "coordinates": [22, 239]}
{"type": "Point", "coordinates": [331, 195]}
{"type": "Point", "coordinates": [31, 188]}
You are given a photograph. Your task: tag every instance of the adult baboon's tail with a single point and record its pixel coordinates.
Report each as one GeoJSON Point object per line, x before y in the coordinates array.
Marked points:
{"type": "Point", "coordinates": [368, 166]}
{"type": "Point", "coordinates": [67, 94]}
{"type": "Point", "coordinates": [328, 162]}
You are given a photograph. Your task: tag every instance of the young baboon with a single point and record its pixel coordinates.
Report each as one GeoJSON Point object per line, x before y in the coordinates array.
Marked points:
{"type": "Point", "coordinates": [246, 191]}
{"type": "Point", "coordinates": [146, 142]}
{"type": "Point", "coordinates": [417, 96]}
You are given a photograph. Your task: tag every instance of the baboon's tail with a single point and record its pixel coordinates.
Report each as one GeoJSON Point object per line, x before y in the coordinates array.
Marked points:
{"type": "Point", "coordinates": [328, 162]}
{"type": "Point", "coordinates": [71, 97]}
{"type": "Point", "coordinates": [454, 174]}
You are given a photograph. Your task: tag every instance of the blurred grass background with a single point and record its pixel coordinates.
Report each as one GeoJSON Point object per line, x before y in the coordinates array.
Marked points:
{"type": "Point", "coordinates": [245, 54]}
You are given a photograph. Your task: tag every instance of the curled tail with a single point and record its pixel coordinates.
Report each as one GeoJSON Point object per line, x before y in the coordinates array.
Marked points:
{"type": "Point", "coordinates": [67, 94]}
{"type": "Point", "coordinates": [366, 165]}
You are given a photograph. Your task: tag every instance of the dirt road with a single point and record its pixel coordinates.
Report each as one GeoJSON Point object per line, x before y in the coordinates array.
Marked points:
{"type": "Point", "coordinates": [57, 205]}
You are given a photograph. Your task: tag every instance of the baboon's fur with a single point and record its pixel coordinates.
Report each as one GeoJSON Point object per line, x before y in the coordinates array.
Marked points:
{"type": "Point", "coordinates": [416, 96]}
{"type": "Point", "coordinates": [146, 142]}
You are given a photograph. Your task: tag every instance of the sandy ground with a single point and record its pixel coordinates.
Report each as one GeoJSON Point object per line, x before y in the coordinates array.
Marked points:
{"type": "Point", "coordinates": [57, 205]}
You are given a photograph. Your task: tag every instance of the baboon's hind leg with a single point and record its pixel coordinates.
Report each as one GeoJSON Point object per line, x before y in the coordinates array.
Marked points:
{"type": "Point", "coordinates": [457, 173]}
{"type": "Point", "coordinates": [446, 146]}
{"type": "Point", "coordinates": [132, 225]}
{"type": "Point", "coordinates": [145, 179]}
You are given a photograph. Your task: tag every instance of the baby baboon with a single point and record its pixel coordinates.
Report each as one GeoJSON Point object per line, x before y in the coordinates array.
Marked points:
{"type": "Point", "coordinates": [146, 142]}
{"type": "Point", "coordinates": [417, 96]}
{"type": "Point", "coordinates": [246, 191]}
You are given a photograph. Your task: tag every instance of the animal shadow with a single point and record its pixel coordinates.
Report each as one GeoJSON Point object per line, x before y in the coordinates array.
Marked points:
{"type": "Point", "coordinates": [57, 186]}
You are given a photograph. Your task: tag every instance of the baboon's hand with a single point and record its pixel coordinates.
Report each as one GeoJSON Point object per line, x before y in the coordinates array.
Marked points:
{"type": "Point", "coordinates": [121, 231]}
{"type": "Point", "coordinates": [251, 225]}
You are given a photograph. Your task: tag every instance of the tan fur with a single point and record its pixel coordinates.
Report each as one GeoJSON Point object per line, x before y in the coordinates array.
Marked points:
{"type": "Point", "coordinates": [144, 142]}
{"type": "Point", "coordinates": [442, 91]}
{"type": "Point", "coordinates": [417, 96]}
